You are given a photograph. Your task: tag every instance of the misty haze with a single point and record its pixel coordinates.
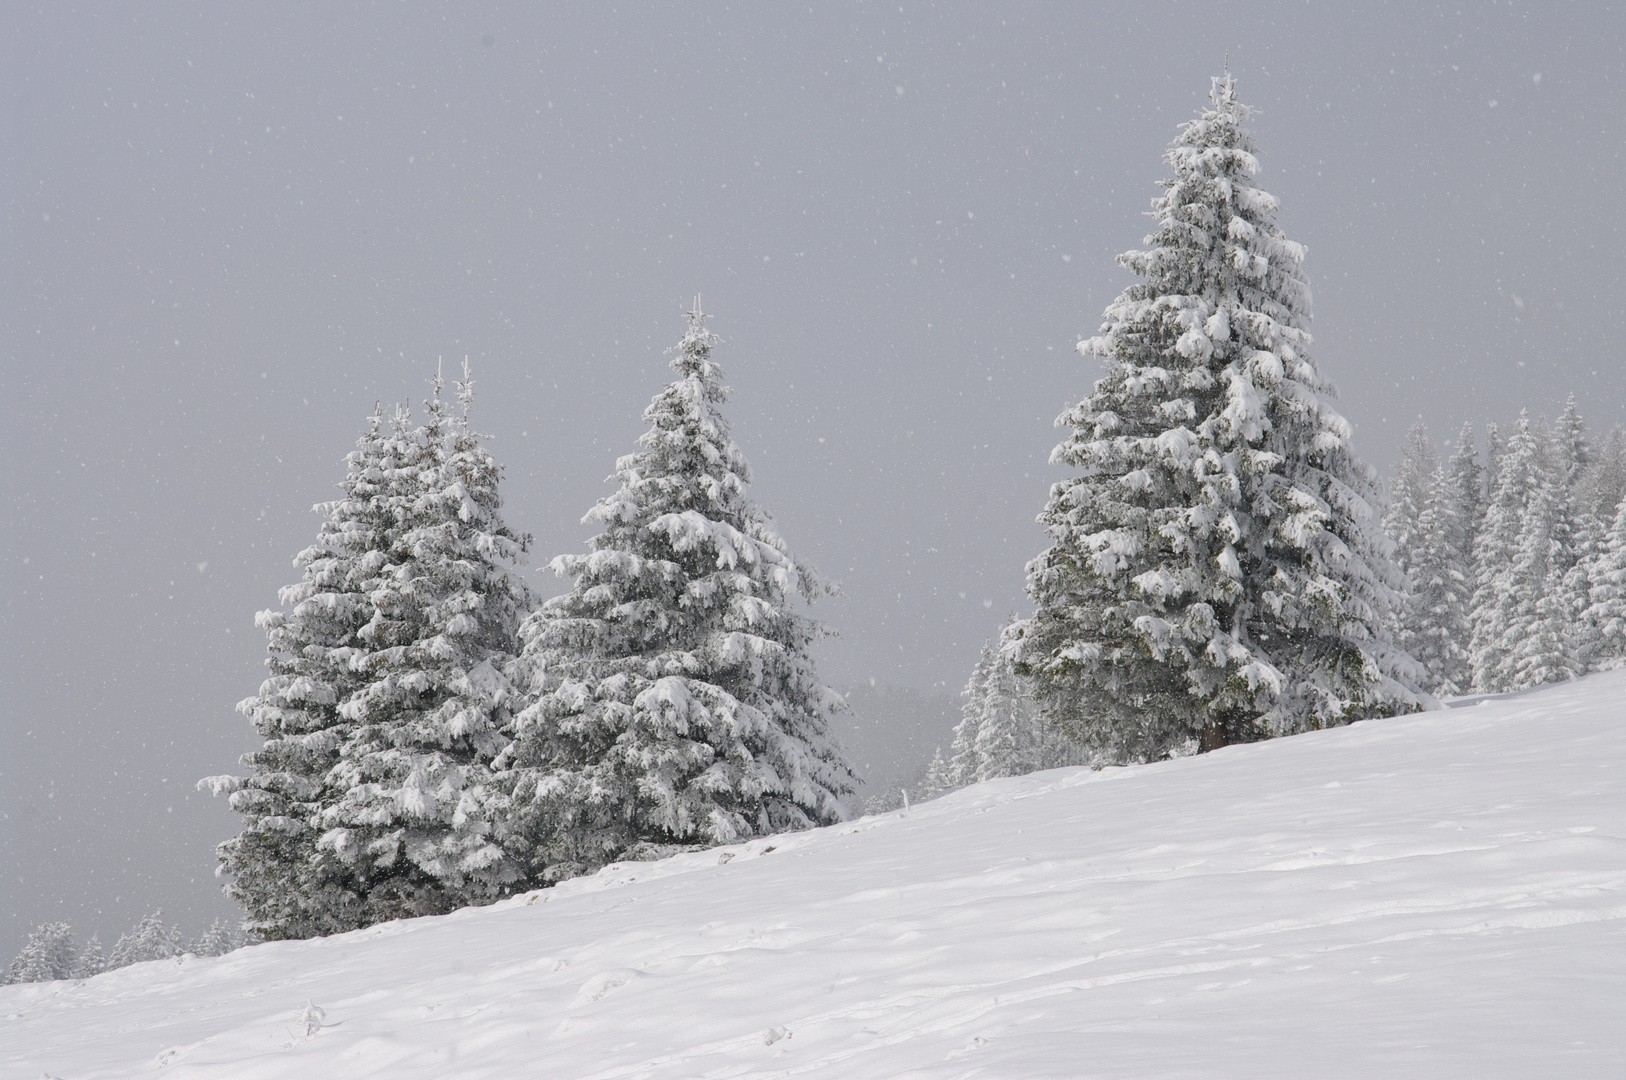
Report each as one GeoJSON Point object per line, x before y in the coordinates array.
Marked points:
{"type": "Point", "coordinates": [469, 469]}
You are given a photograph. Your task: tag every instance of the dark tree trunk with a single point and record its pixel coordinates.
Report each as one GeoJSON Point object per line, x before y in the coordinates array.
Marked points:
{"type": "Point", "coordinates": [1227, 729]}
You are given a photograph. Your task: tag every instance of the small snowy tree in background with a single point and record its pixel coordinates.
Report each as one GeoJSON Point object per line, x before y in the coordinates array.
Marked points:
{"type": "Point", "coordinates": [1423, 522]}
{"type": "Point", "coordinates": [678, 704]}
{"type": "Point", "coordinates": [150, 939]}
{"type": "Point", "coordinates": [1605, 614]}
{"type": "Point", "coordinates": [220, 939]}
{"type": "Point", "coordinates": [1002, 731]}
{"type": "Point", "coordinates": [1596, 494]}
{"type": "Point", "coordinates": [1408, 492]}
{"type": "Point", "coordinates": [413, 824]}
{"type": "Point", "coordinates": [1466, 480]}
{"type": "Point", "coordinates": [91, 961]}
{"type": "Point", "coordinates": [1013, 736]}
{"type": "Point", "coordinates": [1526, 611]}
{"type": "Point", "coordinates": [288, 887]}
{"type": "Point", "coordinates": [1568, 460]}
{"type": "Point", "coordinates": [1215, 571]}
{"type": "Point", "coordinates": [1435, 623]}
{"type": "Point", "coordinates": [1495, 448]}
{"type": "Point", "coordinates": [965, 762]}
{"type": "Point", "coordinates": [1602, 487]}
{"type": "Point", "coordinates": [940, 776]}
{"type": "Point", "coordinates": [1513, 558]}
{"type": "Point", "coordinates": [1537, 642]}
{"type": "Point", "coordinates": [1573, 448]}
{"type": "Point", "coordinates": [50, 954]}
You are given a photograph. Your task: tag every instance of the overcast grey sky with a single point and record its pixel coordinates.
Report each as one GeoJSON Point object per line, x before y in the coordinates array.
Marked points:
{"type": "Point", "coordinates": [229, 229]}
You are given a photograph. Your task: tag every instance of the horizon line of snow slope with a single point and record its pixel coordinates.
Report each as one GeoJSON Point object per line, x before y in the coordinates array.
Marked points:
{"type": "Point", "coordinates": [1437, 894]}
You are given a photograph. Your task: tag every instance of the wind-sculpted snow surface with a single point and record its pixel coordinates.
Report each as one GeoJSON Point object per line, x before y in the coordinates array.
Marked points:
{"type": "Point", "coordinates": [1434, 895]}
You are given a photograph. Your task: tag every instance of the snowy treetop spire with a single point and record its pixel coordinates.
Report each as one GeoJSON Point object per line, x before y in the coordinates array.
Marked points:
{"type": "Point", "coordinates": [465, 390]}
{"type": "Point", "coordinates": [692, 355]}
{"type": "Point", "coordinates": [1220, 274]}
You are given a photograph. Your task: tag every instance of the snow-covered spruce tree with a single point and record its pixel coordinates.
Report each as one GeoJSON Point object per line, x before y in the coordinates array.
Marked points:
{"type": "Point", "coordinates": [1521, 472]}
{"type": "Point", "coordinates": [412, 823]}
{"type": "Point", "coordinates": [1408, 492]}
{"type": "Point", "coordinates": [150, 939]}
{"type": "Point", "coordinates": [1575, 589]}
{"type": "Point", "coordinates": [1594, 496]}
{"type": "Point", "coordinates": [678, 704]}
{"type": "Point", "coordinates": [939, 776]}
{"type": "Point", "coordinates": [1495, 449]}
{"type": "Point", "coordinates": [220, 939]}
{"type": "Point", "coordinates": [1010, 734]}
{"type": "Point", "coordinates": [1001, 730]}
{"type": "Point", "coordinates": [1013, 737]}
{"type": "Point", "coordinates": [91, 961]}
{"type": "Point", "coordinates": [1466, 480]}
{"type": "Point", "coordinates": [1603, 485]}
{"type": "Point", "coordinates": [1571, 444]}
{"type": "Point", "coordinates": [1569, 460]}
{"type": "Point", "coordinates": [965, 763]}
{"type": "Point", "coordinates": [288, 887]}
{"type": "Point", "coordinates": [1435, 621]}
{"type": "Point", "coordinates": [1605, 614]}
{"type": "Point", "coordinates": [50, 954]}
{"type": "Point", "coordinates": [1215, 571]}
{"type": "Point", "coordinates": [1538, 643]}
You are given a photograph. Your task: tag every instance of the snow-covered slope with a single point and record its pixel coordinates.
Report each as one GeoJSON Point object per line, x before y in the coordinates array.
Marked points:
{"type": "Point", "coordinates": [1438, 895]}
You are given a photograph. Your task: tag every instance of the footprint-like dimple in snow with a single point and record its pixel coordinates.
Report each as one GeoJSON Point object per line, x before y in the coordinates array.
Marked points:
{"type": "Point", "coordinates": [170, 1056]}
{"type": "Point", "coordinates": [603, 983]}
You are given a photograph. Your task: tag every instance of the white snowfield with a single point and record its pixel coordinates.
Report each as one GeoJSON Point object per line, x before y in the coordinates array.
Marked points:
{"type": "Point", "coordinates": [1441, 895]}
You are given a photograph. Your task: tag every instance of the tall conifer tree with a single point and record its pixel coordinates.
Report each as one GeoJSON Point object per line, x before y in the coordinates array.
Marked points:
{"type": "Point", "coordinates": [1495, 449]}
{"type": "Point", "coordinates": [1522, 474]}
{"type": "Point", "coordinates": [965, 761]}
{"type": "Point", "coordinates": [149, 939]}
{"type": "Point", "coordinates": [1598, 489]}
{"type": "Point", "coordinates": [1537, 644]}
{"type": "Point", "coordinates": [274, 869]}
{"type": "Point", "coordinates": [1435, 619]}
{"type": "Point", "coordinates": [415, 821]}
{"type": "Point", "coordinates": [1215, 572]}
{"type": "Point", "coordinates": [1013, 736]}
{"type": "Point", "coordinates": [1605, 614]}
{"type": "Point", "coordinates": [1424, 521]}
{"type": "Point", "coordinates": [1573, 447]}
{"type": "Point", "coordinates": [1466, 483]}
{"type": "Point", "coordinates": [49, 954]}
{"type": "Point", "coordinates": [91, 962]}
{"type": "Point", "coordinates": [1408, 493]}
{"type": "Point", "coordinates": [388, 697]}
{"type": "Point", "coordinates": [679, 704]}
{"type": "Point", "coordinates": [940, 776]}
{"type": "Point", "coordinates": [1603, 485]}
